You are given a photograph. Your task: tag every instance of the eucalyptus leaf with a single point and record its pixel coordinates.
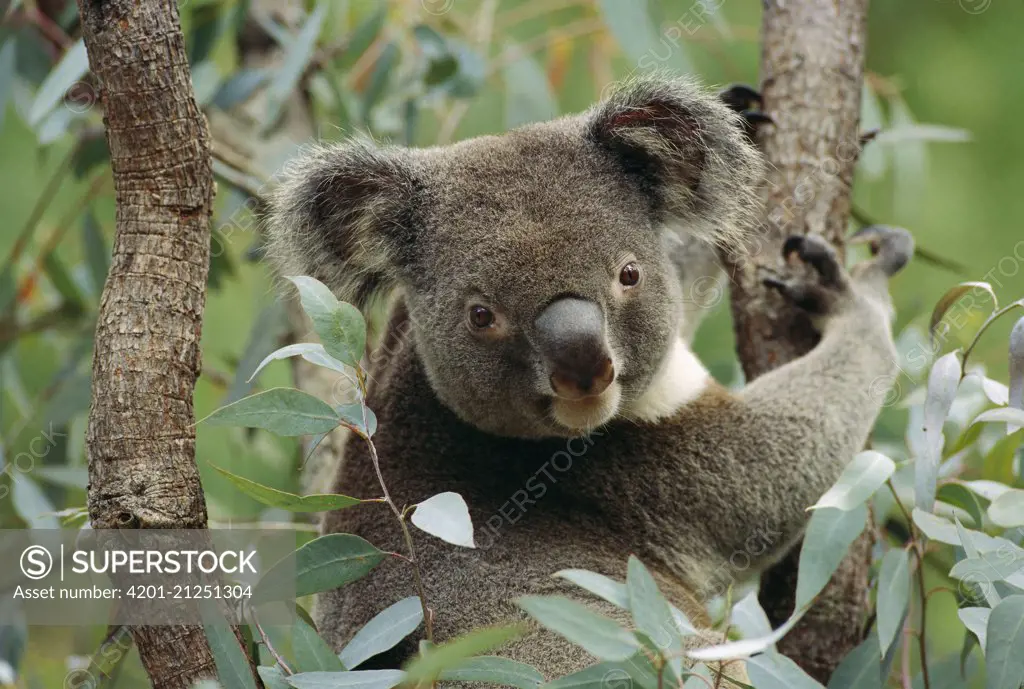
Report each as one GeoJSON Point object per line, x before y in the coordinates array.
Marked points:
{"type": "Point", "coordinates": [312, 654]}
{"type": "Point", "coordinates": [446, 516]}
{"type": "Point", "coordinates": [953, 295]}
{"type": "Point", "coordinates": [273, 497]}
{"type": "Point", "coordinates": [746, 647]}
{"type": "Point", "coordinates": [976, 620]}
{"type": "Point", "coordinates": [636, 672]}
{"type": "Point", "coordinates": [604, 587]}
{"type": "Point", "coordinates": [325, 563]}
{"type": "Point", "coordinates": [596, 634]}
{"type": "Point", "coordinates": [495, 670]}
{"type": "Point", "coordinates": [31, 504]}
{"type": "Point", "coordinates": [865, 474]}
{"type": "Point", "coordinates": [340, 326]}
{"type": "Point", "coordinates": [826, 541]}
{"type": "Point", "coordinates": [959, 495]}
{"type": "Point", "coordinates": [776, 671]}
{"type": "Point", "coordinates": [1007, 510]}
{"type": "Point", "coordinates": [359, 679]}
{"type": "Point", "coordinates": [943, 381]}
{"type": "Point", "coordinates": [1004, 645]}
{"type": "Point", "coordinates": [273, 677]}
{"type": "Point", "coordinates": [1007, 415]}
{"type": "Point", "coordinates": [652, 615]}
{"type": "Point", "coordinates": [893, 596]}
{"type": "Point", "coordinates": [72, 67]}
{"type": "Point", "coordinates": [428, 665]}
{"type": "Point", "coordinates": [1016, 392]}
{"type": "Point", "coordinates": [233, 671]}
{"type": "Point", "coordinates": [313, 352]}
{"type": "Point", "coordinates": [296, 57]}
{"type": "Point", "coordinates": [383, 632]}
{"type": "Point", "coordinates": [283, 411]}
{"type": "Point", "coordinates": [861, 668]}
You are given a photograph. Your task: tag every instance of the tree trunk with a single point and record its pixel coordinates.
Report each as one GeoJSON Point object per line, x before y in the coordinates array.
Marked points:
{"type": "Point", "coordinates": [812, 68]}
{"type": "Point", "coordinates": [141, 435]}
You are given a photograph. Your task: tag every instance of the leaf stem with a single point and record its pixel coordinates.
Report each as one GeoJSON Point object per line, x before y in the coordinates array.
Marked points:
{"type": "Point", "coordinates": [270, 647]}
{"type": "Point", "coordinates": [428, 621]}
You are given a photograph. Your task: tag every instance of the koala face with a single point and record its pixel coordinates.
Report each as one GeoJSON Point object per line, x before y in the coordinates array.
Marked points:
{"type": "Point", "coordinates": [535, 265]}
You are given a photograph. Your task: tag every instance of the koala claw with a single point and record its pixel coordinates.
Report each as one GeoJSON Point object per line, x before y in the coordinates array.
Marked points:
{"type": "Point", "coordinates": [892, 247]}
{"type": "Point", "coordinates": [745, 100]}
{"type": "Point", "coordinates": [817, 253]}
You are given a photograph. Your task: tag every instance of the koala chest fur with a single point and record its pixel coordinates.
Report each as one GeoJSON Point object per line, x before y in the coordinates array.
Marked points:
{"type": "Point", "coordinates": [534, 361]}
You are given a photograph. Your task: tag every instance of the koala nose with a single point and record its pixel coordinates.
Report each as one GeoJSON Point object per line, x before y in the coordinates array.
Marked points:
{"type": "Point", "coordinates": [570, 333]}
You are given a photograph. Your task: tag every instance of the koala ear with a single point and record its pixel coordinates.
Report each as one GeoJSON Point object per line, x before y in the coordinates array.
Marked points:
{"type": "Point", "coordinates": [686, 150]}
{"type": "Point", "coordinates": [344, 215]}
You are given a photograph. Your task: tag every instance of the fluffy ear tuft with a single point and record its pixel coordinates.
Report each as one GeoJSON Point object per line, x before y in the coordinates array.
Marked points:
{"type": "Point", "coordinates": [344, 215]}
{"type": "Point", "coordinates": [687, 150]}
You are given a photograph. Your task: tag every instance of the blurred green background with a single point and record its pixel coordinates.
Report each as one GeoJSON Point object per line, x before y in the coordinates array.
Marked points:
{"type": "Point", "coordinates": [944, 85]}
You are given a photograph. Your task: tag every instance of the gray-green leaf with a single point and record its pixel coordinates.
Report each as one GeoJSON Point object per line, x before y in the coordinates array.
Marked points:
{"type": "Point", "coordinates": [1007, 510]}
{"type": "Point", "coordinates": [860, 479]}
{"type": "Point", "coordinates": [385, 630]}
{"type": "Point", "coordinates": [652, 615]}
{"type": "Point", "coordinates": [446, 516]}
{"type": "Point", "coordinates": [860, 669]}
{"type": "Point", "coordinates": [828, 537]}
{"type": "Point", "coordinates": [976, 620]}
{"type": "Point", "coordinates": [325, 563]}
{"type": "Point", "coordinates": [596, 634]}
{"type": "Point", "coordinates": [313, 352]}
{"type": "Point", "coordinates": [495, 670]}
{"type": "Point", "coordinates": [776, 671]}
{"type": "Point", "coordinates": [339, 326]}
{"type": "Point", "coordinates": [604, 587]}
{"type": "Point", "coordinates": [359, 679]}
{"type": "Point", "coordinates": [943, 381]}
{"type": "Point", "coordinates": [71, 68]}
{"type": "Point", "coordinates": [233, 669]}
{"type": "Point", "coordinates": [428, 666]}
{"type": "Point", "coordinates": [1004, 647]}
{"type": "Point", "coordinates": [289, 501]}
{"type": "Point", "coordinates": [893, 595]}
{"type": "Point", "coordinates": [283, 411]}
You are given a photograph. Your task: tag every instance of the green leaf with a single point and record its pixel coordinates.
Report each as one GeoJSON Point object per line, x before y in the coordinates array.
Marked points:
{"type": "Point", "coordinates": [893, 595]}
{"type": "Point", "coordinates": [634, 672]}
{"type": "Point", "coordinates": [427, 667]}
{"type": "Point", "coordinates": [528, 95]}
{"type": "Point", "coordinates": [313, 352]}
{"type": "Point", "coordinates": [71, 68]}
{"type": "Point", "coordinates": [1007, 510]}
{"type": "Point", "coordinates": [495, 670]}
{"type": "Point", "coordinates": [383, 632]}
{"type": "Point", "coordinates": [923, 132]}
{"type": "Point", "coordinates": [959, 495]}
{"type": "Point", "coordinates": [8, 74]}
{"type": "Point", "coordinates": [745, 647]}
{"type": "Point", "coordinates": [651, 614]}
{"type": "Point", "coordinates": [828, 537]}
{"type": "Point", "coordinates": [359, 679]}
{"type": "Point", "coordinates": [62, 281]}
{"type": "Point", "coordinates": [340, 326]}
{"type": "Point", "coordinates": [273, 677]}
{"type": "Point", "coordinates": [952, 296]}
{"type": "Point", "coordinates": [1016, 392]}
{"type": "Point", "coordinates": [312, 653]}
{"type": "Point", "coordinates": [1001, 415]}
{"type": "Point", "coordinates": [985, 568]}
{"type": "Point", "coordinates": [976, 620]}
{"type": "Point", "coordinates": [446, 516]}
{"type": "Point", "coordinates": [96, 255]}
{"type": "Point", "coordinates": [233, 669]}
{"type": "Point", "coordinates": [865, 474]}
{"type": "Point", "coordinates": [321, 502]}
{"type": "Point", "coordinates": [325, 563]}
{"type": "Point", "coordinates": [776, 671]}
{"type": "Point", "coordinates": [31, 504]}
{"type": "Point", "coordinates": [943, 381]}
{"type": "Point", "coordinates": [604, 587]}
{"type": "Point", "coordinates": [358, 417]}
{"type": "Point", "coordinates": [283, 411]}
{"type": "Point", "coordinates": [1004, 647]}
{"type": "Point", "coordinates": [638, 36]}
{"type": "Point", "coordinates": [596, 634]}
{"type": "Point", "coordinates": [860, 669]}
{"type": "Point", "coordinates": [382, 71]}
{"type": "Point", "coordinates": [296, 58]}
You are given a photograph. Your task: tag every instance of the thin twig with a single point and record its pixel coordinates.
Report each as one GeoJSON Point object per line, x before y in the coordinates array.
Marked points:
{"type": "Point", "coordinates": [270, 647]}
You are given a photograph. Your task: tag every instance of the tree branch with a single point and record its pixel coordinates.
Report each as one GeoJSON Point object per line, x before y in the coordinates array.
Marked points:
{"type": "Point", "coordinates": [812, 68]}
{"type": "Point", "coordinates": [141, 434]}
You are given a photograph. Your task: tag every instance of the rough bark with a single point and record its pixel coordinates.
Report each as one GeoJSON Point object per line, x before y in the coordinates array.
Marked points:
{"type": "Point", "coordinates": [812, 69]}
{"type": "Point", "coordinates": [141, 434]}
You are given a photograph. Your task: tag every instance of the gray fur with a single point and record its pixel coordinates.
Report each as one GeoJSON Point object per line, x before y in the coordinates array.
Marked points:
{"type": "Point", "coordinates": [705, 497]}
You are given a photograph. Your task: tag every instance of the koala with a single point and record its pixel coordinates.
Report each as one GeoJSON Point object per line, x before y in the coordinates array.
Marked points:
{"type": "Point", "coordinates": [536, 360]}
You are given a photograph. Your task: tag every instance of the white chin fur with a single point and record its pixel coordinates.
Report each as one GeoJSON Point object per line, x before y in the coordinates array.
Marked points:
{"type": "Point", "coordinates": [587, 413]}
{"type": "Point", "coordinates": [681, 379]}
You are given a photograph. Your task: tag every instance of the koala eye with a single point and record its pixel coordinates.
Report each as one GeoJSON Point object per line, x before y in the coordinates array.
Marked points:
{"type": "Point", "coordinates": [481, 316]}
{"type": "Point", "coordinates": [629, 276]}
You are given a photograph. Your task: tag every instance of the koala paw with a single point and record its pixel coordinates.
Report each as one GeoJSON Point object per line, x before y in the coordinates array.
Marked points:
{"type": "Point", "coordinates": [891, 247]}
{"type": "Point", "coordinates": [745, 100]}
{"type": "Point", "coordinates": [817, 281]}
